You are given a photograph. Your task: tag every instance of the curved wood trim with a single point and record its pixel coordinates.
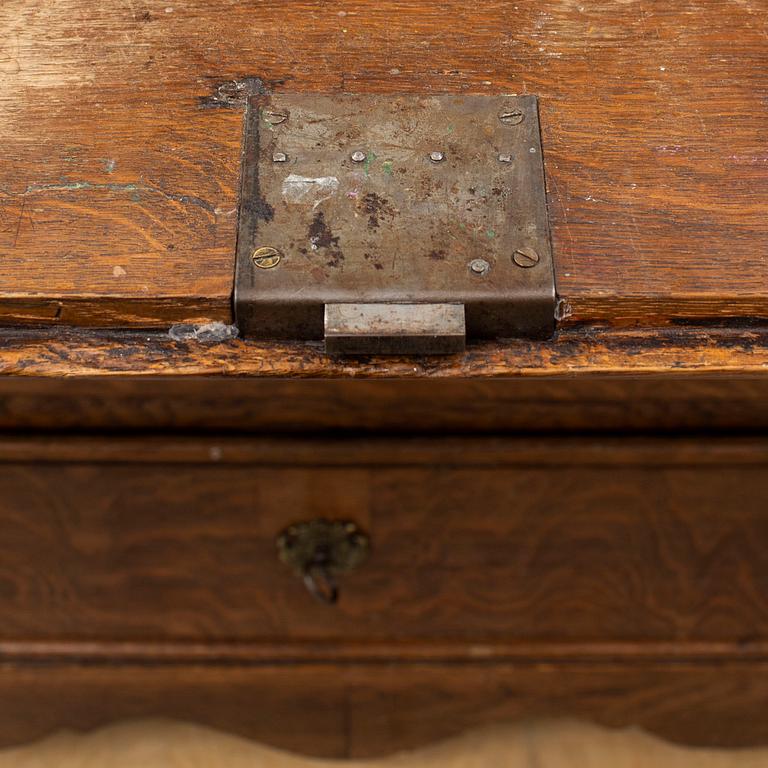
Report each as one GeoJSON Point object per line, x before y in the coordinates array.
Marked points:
{"type": "Point", "coordinates": [365, 710]}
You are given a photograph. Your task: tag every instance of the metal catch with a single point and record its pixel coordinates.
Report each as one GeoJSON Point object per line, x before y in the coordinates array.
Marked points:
{"type": "Point", "coordinates": [319, 550]}
{"type": "Point", "coordinates": [393, 224]}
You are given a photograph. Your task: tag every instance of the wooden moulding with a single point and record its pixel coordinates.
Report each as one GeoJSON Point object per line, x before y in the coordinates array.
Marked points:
{"type": "Point", "coordinates": [366, 710]}
{"type": "Point", "coordinates": [364, 406]}
{"type": "Point", "coordinates": [79, 353]}
{"type": "Point", "coordinates": [441, 450]}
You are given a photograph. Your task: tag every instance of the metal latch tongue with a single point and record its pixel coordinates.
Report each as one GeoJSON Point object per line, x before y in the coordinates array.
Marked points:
{"type": "Point", "coordinates": [394, 329]}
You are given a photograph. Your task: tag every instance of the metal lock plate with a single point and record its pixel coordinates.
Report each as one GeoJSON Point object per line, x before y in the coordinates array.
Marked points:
{"type": "Point", "coordinates": [354, 203]}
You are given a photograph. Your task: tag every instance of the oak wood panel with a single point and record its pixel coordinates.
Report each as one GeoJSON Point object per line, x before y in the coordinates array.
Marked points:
{"type": "Point", "coordinates": [117, 204]}
{"type": "Point", "coordinates": [361, 406]}
{"type": "Point", "coordinates": [113, 211]}
{"type": "Point", "coordinates": [673, 353]}
{"type": "Point", "coordinates": [366, 710]}
{"type": "Point", "coordinates": [605, 548]}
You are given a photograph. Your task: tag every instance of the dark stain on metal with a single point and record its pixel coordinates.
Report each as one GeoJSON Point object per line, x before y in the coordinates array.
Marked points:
{"type": "Point", "coordinates": [376, 207]}
{"type": "Point", "coordinates": [253, 206]}
{"type": "Point", "coordinates": [320, 236]}
{"type": "Point", "coordinates": [374, 260]}
{"type": "Point", "coordinates": [438, 255]}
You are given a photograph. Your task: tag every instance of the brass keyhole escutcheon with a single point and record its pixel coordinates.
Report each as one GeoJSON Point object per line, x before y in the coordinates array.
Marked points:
{"type": "Point", "coordinates": [319, 550]}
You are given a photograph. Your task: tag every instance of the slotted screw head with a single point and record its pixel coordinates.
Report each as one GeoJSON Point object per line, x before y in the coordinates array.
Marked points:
{"type": "Point", "coordinates": [479, 266]}
{"type": "Point", "coordinates": [526, 257]}
{"type": "Point", "coordinates": [511, 116]}
{"type": "Point", "coordinates": [358, 156]}
{"type": "Point", "coordinates": [266, 258]}
{"type": "Point", "coordinates": [275, 117]}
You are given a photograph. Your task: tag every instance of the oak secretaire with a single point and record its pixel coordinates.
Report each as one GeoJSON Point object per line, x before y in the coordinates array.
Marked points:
{"type": "Point", "coordinates": [563, 513]}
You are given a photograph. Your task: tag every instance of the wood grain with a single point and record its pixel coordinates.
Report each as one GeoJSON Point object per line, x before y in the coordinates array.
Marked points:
{"type": "Point", "coordinates": [671, 352]}
{"type": "Point", "coordinates": [117, 204]}
{"type": "Point", "coordinates": [585, 542]}
{"type": "Point", "coordinates": [364, 407]}
{"type": "Point", "coordinates": [366, 710]}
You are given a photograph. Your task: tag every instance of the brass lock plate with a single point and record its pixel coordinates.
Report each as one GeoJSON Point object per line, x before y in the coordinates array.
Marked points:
{"type": "Point", "coordinates": [397, 199]}
{"type": "Point", "coordinates": [336, 545]}
{"type": "Point", "coordinates": [319, 550]}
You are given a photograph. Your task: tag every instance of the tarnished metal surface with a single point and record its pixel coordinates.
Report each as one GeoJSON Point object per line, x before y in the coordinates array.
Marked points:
{"type": "Point", "coordinates": [393, 199]}
{"type": "Point", "coordinates": [319, 550]}
{"type": "Point", "coordinates": [394, 329]}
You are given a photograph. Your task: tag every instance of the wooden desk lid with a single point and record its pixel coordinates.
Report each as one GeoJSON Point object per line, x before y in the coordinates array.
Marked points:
{"type": "Point", "coordinates": [121, 133]}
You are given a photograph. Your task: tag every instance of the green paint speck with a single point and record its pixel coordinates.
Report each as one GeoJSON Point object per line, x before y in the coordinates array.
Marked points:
{"type": "Point", "coordinates": [490, 234]}
{"type": "Point", "coordinates": [450, 129]}
{"type": "Point", "coordinates": [369, 159]}
{"type": "Point", "coordinates": [387, 166]}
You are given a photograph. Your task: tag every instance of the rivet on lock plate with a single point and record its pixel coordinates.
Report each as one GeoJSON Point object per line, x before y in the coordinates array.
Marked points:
{"type": "Point", "coordinates": [393, 224]}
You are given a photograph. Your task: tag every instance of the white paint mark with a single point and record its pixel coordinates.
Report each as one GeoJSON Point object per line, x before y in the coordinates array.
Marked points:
{"type": "Point", "coordinates": [211, 333]}
{"type": "Point", "coordinates": [118, 271]}
{"type": "Point", "coordinates": [305, 189]}
{"type": "Point", "coordinates": [563, 309]}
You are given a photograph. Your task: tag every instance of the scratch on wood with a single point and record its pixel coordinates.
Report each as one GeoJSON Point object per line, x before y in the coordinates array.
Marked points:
{"type": "Point", "coordinates": [18, 223]}
{"type": "Point", "coordinates": [75, 186]}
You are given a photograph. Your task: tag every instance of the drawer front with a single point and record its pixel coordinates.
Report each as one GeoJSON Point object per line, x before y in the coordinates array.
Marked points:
{"type": "Point", "coordinates": [480, 549]}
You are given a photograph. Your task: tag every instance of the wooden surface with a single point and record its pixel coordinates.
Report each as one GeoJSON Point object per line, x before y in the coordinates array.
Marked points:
{"type": "Point", "coordinates": [121, 132]}
{"type": "Point", "coordinates": [555, 450]}
{"type": "Point", "coordinates": [363, 710]}
{"type": "Point", "coordinates": [672, 352]}
{"type": "Point", "coordinates": [364, 407]}
{"type": "Point", "coordinates": [473, 542]}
